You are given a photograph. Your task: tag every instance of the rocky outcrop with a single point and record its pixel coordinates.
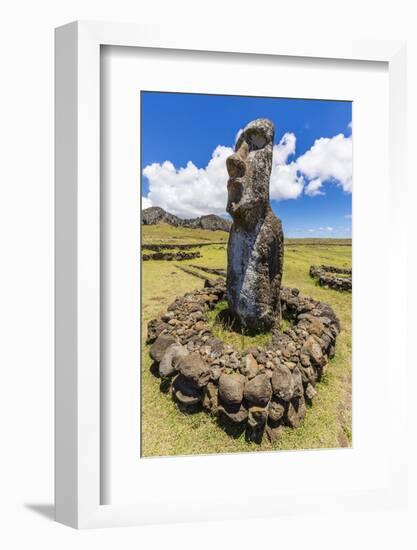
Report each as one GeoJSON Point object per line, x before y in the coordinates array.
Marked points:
{"type": "Point", "coordinates": [155, 215]}
{"type": "Point", "coordinates": [256, 244]}
{"type": "Point", "coordinates": [259, 390]}
{"type": "Point", "coordinates": [327, 276]}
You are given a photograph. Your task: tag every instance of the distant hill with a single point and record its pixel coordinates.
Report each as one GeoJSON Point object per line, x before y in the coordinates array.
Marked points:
{"type": "Point", "coordinates": [155, 215]}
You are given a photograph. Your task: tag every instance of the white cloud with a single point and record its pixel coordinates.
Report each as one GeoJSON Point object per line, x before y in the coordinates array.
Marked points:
{"type": "Point", "coordinates": [313, 188]}
{"type": "Point", "coordinates": [286, 183]}
{"type": "Point", "coordinates": [329, 159]}
{"type": "Point", "coordinates": [284, 149]}
{"type": "Point", "coordinates": [191, 191]}
{"type": "Point", "coordinates": [348, 216]}
{"type": "Point", "coordinates": [146, 203]}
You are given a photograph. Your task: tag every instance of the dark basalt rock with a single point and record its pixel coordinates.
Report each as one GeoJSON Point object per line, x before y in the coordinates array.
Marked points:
{"type": "Point", "coordinates": [210, 398]}
{"type": "Point", "coordinates": [311, 350]}
{"type": "Point", "coordinates": [195, 370]}
{"type": "Point", "coordinates": [255, 250]}
{"type": "Point", "coordinates": [276, 411]}
{"type": "Point", "coordinates": [160, 345]}
{"type": "Point", "coordinates": [282, 382]}
{"type": "Point", "coordinates": [237, 413]}
{"type": "Point", "coordinates": [296, 412]}
{"type": "Point", "coordinates": [170, 359]}
{"type": "Point", "coordinates": [326, 276]}
{"type": "Point", "coordinates": [155, 327]}
{"type": "Point", "coordinates": [231, 388]}
{"type": "Point", "coordinates": [257, 418]}
{"type": "Point", "coordinates": [171, 256]}
{"type": "Point", "coordinates": [258, 390]}
{"type": "Point", "coordinates": [186, 394]}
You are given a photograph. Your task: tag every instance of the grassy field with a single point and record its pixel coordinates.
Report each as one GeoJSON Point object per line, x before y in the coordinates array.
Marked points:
{"type": "Point", "coordinates": [165, 430]}
{"type": "Point", "coordinates": [167, 234]}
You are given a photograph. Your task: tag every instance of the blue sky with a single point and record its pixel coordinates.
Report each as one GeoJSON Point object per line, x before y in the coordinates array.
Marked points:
{"type": "Point", "coordinates": [187, 137]}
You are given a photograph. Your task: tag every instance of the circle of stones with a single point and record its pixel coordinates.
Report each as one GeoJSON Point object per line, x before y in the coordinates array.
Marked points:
{"type": "Point", "coordinates": [256, 391]}
{"type": "Point", "coordinates": [326, 276]}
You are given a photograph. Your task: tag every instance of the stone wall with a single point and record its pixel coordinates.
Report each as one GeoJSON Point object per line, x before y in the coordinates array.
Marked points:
{"type": "Point", "coordinates": [259, 390]}
{"type": "Point", "coordinates": [326, 276]}
{"type": "Point", "coordinates": [170, 256]}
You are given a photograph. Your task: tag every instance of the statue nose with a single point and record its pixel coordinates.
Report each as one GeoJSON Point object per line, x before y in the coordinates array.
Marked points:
{"type": "Point", "coordinates": [235, 166]}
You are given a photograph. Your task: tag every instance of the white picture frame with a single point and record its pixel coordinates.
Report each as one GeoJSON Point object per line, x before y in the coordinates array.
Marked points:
{"type": "Point", "coordinates": [77, 242]}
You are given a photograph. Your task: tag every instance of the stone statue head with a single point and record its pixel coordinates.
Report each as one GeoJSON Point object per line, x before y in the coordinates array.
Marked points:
{"type": "Point", "coordinates": [249, 169]}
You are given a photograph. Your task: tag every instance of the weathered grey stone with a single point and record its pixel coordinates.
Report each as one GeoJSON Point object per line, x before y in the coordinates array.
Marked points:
{"type": "Point", "coordinates": [287, 367]}
{"type": "Point", "coordinates": [258, 390]}
{"type": "Point", "coordinates": [195, 369]}
{"type": "Point", "coordinates": [276, 411]}
{"type": "Point", "coordinates": [231, 388]}
{"type": "Point", "coordinates": [256, 423]}
{"type": "Point", "coordinates": [282, 383]}
{"type": "Point", "coordinates": [255, 248]}
{"type": "Point", "coordinates": [215, 372]}
{"type": "Point", "coordinates": [155, 327]}
{"type": "Point", "coordinates": [312, 350]}
{"type": "Point", "coordinates": [273, 433]}
{"type": "Point", "coordinates": [327, 277]}
{"type": "Point", "coordinates": [257, 417]}
{"type": "Point", "coordinates": [237, 413]}
{"type": "Point", "coordinates": [160, 345]}
{"type": "Point", "coordinates": [310, 391]}
{"type": "Point", "coordinates": [296, 412]}
{"type": "Point", "coordinates": [298, 382]}
{"type": "Point", "coordinates": [250, 367]}
{"type": "Point", "coordinates": [170, 359]}
{"type": "Point", "coordinates": [186, 393]}
{"type": "Point", "coordinates": [210, 398]}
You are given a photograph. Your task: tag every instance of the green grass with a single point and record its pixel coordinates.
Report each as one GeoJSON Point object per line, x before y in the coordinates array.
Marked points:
{"type": "Point", "coordinates": [328, 423]}
{"type": "Point", "coordinates": [231, 334]}
{"type": "Point", "coordinates": [167, 234]}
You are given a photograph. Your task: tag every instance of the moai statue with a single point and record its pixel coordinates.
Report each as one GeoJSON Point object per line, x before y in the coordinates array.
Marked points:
{"type": "Point", "coordinates": [256, 248]}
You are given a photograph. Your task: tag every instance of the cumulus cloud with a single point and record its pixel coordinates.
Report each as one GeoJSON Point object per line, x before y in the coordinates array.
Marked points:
{"type": "Point", "coordinates": [286, 182]}
{"type": "Point", "coordinates": [285, 148]}
{"type": "Point", "coordinates": [191, 191]}
{"type": "Point", "coordinates": [329, 159]}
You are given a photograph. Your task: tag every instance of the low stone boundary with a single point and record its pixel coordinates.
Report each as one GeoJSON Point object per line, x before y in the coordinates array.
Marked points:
{"type": "Point", "coordinates": [171, 256]}
{"type": "Point", "coordinates": [211, 270]}
{"type": "Point", "coordinates": [326, 276]}
{"type": "Point", "coordinates": [257, 391]}
{"type": "Point", "coordinates": [171, 246]}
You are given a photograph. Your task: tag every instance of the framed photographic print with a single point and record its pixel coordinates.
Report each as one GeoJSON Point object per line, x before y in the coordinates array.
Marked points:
{"type": "Point", "coordinates": [223, 275]}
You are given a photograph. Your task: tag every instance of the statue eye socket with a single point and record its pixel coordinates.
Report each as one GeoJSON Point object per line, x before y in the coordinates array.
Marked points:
{"type": "Point", "coordinates": [255, 140]}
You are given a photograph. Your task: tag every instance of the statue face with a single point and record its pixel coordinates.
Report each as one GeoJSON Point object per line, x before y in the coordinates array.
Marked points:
{"type": "Point", "coordinates": [249, 171]}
